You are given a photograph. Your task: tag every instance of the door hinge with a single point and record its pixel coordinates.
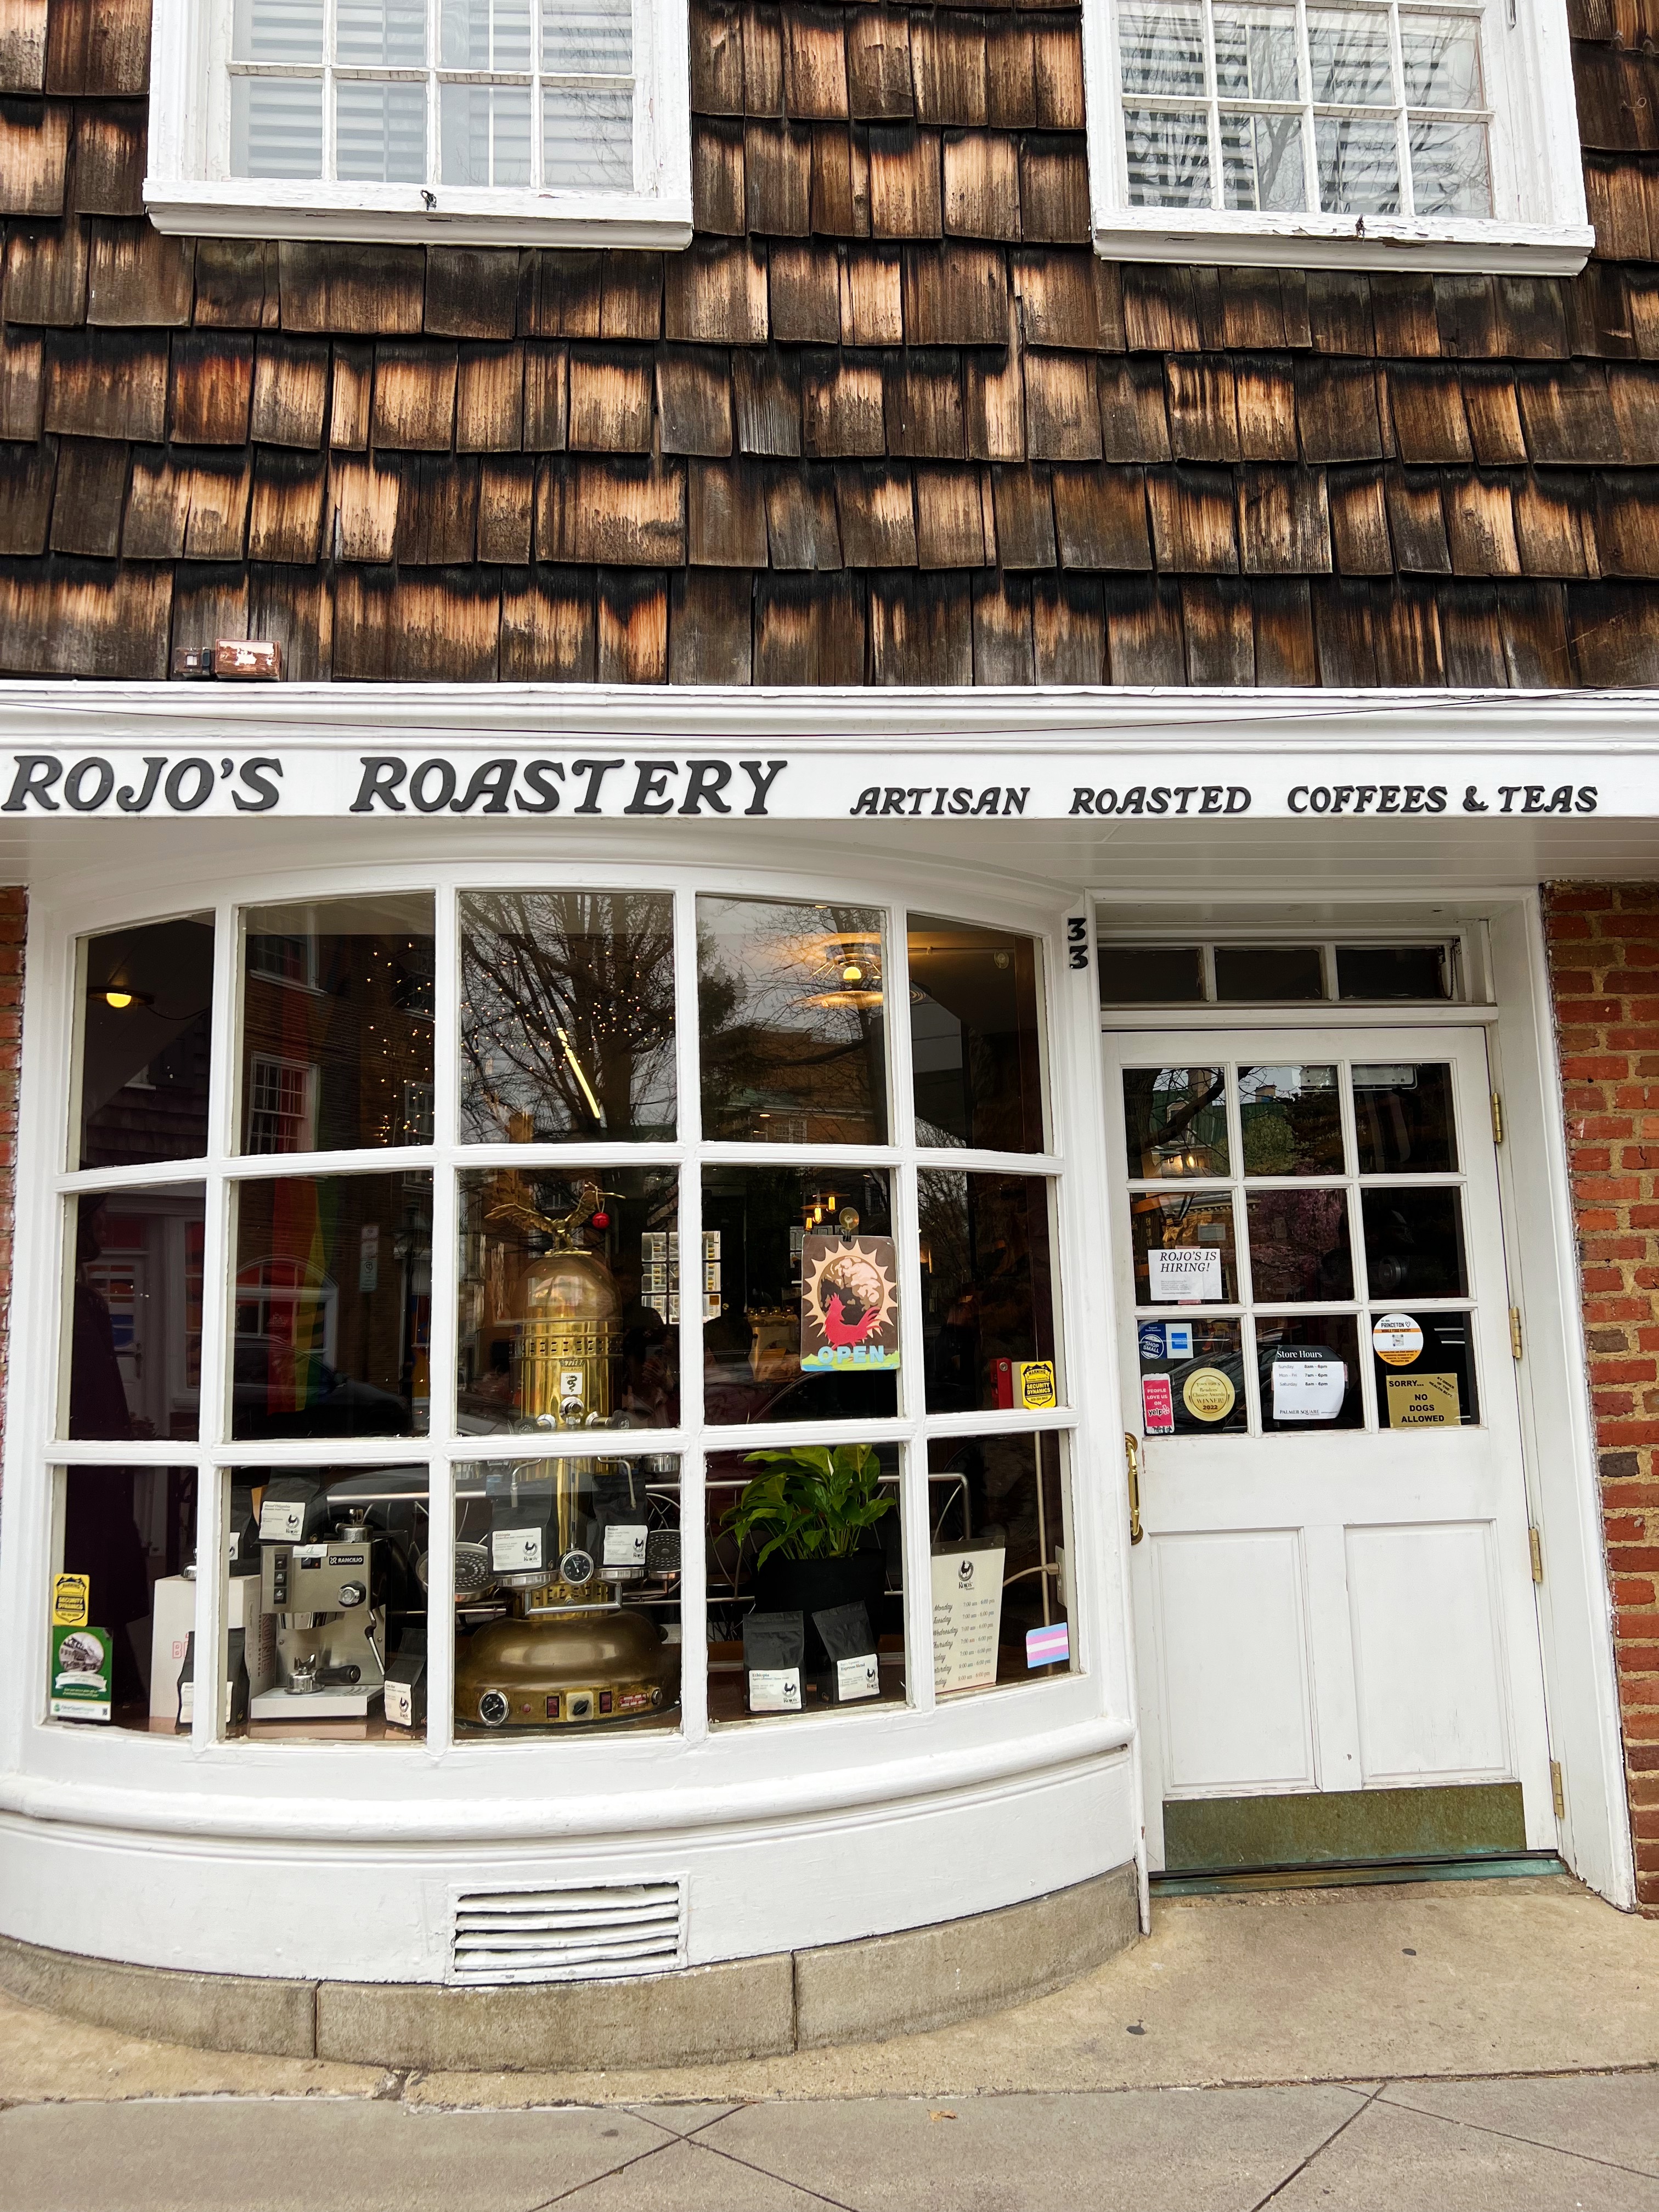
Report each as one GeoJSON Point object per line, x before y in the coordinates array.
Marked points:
{"type": "Point", "coordinates": [1497, 1118]}
{"type": "Point", "coordinates": [1514, 1332]}
{"type": "Point", "coordinates": [1535, 1544]}
{"type": "Point", "coordinates": [1558, 1790]}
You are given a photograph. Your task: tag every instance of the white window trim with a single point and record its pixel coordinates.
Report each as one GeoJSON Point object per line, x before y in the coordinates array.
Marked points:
{"type": "Point", "coordinates": [1542, 228]}
{"type": "Point", "coordinates": [188, 188]}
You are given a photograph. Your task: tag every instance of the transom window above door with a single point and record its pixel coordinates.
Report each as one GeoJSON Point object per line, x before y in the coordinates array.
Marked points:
{"type": "Point", "coordinates": [460, 121]}
{"type": "Point", "coordinates": [1185, 973]}
{"type": "Point", "coordinates": [1286, 131]}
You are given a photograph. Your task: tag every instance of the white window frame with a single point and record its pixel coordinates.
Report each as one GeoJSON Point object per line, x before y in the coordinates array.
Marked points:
{"type": "Point", "coordinates": [188, 188]}
{"type": "Point", "coordinates": [1538, 227]}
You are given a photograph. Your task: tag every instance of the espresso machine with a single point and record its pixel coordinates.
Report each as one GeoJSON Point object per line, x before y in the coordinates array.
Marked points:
{"type": "Point", "coordinates": [568, 1534]}
{"type": "Point", "coordinates": [322, 1579]}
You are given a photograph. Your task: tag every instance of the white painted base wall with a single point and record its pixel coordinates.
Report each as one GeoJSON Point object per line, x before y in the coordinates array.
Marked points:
{"type": "Point", "coordinates": [372, 1912]}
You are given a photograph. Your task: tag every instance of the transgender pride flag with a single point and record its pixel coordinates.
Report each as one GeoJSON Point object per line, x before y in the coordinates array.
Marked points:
{"type": "Point", "coordinates": [1044, 1645]}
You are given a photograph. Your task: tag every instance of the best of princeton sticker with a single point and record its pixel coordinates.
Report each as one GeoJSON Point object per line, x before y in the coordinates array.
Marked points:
{"type": "Point", "coordinates": [1397, 1339]}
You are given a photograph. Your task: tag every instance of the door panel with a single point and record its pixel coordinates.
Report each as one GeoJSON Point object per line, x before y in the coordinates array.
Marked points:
{"type": "Point", "coordinates": [1428, 1654]}
{"type": "Point", "coordinates": [1250, 1723]}
{"type": "Point", "coordinates": [1336, 1593]}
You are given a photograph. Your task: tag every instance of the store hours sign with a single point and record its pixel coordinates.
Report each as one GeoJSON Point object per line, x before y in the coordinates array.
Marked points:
{"type": "Point", "coordinates": [813, 779]}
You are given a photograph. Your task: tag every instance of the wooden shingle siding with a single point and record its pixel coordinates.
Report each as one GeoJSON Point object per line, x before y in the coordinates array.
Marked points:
{"type": "Point", "coordinates": [888, 419]}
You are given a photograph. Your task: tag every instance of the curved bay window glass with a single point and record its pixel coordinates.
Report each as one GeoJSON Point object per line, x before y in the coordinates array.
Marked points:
{"type": "Point", "coordinates": [805, 1580]}
{"type": "Point", "coordinates": [800, 1315]}
{"type": "Point", "coordinates": [569, 1311]}
{"type": "Point", "coordinates": [568, 1594]}
{"type": "Point", "coordinates": [567, 1015]}
{"type": "Point", "coordinates": [145, 1044]}
{"type": "Point", "coordinates": [336, 1026]}
{"type": "Point", "coordinates": [986, 1290]}
{"type": "Point", "coordinates": [333, 1306]}
{"type": "Point", "coordinates": [976, 1038]}
{"type": "Point", "coordinates": [492, 1426]}
{"type": "Point", "coordinates": [792, 1019]}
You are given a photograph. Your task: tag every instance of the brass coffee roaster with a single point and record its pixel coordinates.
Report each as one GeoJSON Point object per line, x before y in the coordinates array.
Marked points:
{"type": "Point", "coordinates": [568, 1535]}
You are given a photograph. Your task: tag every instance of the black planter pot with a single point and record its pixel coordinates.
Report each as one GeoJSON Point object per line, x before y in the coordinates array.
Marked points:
{"type": "Point", "coordinates": [810, 1586]}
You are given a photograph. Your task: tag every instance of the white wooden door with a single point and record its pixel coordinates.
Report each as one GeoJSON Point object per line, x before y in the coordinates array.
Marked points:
{"type": "Point", "coordinates": [1334, 1590]}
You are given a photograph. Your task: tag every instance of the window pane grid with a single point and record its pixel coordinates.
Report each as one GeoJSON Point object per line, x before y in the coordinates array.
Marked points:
{"type": "Point", "coordinates": [297, 1287]}
{"type": "Point", "coordinates": [1278, 105]}
{"type": "Point", "coordinates": [477, 93]}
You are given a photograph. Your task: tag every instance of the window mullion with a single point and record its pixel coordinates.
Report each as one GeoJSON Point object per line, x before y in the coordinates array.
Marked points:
{"type": "Point", "coordinates": [1212, 113]}
{"type": "Point", "coordinates": [1402, 124]}
{"type": "Point", "coordinates": [433, 126]}
{"type": "Point", "coordinates": [694, 1534]}
{"type": "Point", "coordinates": [330, 33]}
{"type": "Point", "coordinates": [1310, 192]}
{"type": "Point", "coordinates": [916, 1518]}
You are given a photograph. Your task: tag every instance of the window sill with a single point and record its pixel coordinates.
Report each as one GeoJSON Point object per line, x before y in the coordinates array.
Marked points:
{"type": "Point", "coordinates": [1324, 241]}
{"type": "Point", "coordinates": [398, 214]}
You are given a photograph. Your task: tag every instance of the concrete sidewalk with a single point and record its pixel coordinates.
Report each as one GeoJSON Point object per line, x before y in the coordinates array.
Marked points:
{"type": "Point", "coordinates": [1479, 2044]}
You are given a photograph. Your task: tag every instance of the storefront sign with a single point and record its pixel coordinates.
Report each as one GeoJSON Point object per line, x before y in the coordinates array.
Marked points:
{"type": "Point", "coordinates": [1423, 1402]}
{"type": "Point", "coordinates": [81, 1675]}
{"type": "Point", "coordinates": [1397, 1339]}
{"type": "Point", "coordinates": [849, 1306]}
{"type": "Point", "coordinates": [1027, 1384]}
{"type": "Point", "coordinates": [71, 1600]}
{"type": "Point", "coordinates": [818, 778]}
{"type": "Point", "coordinates": [1183, 1274]}
{"type": "Point", "coordinates": [967, 1616]}
{"type": "Point", "coordinates": [1158, 1405]}
{"type": "Point", "coordinates": [1208, 1395]}
{"type": "Point", "coordinates": [1309, 1384]}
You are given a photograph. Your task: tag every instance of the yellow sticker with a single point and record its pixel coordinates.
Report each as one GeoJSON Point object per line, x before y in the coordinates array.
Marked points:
{"type": "Point", "coordinates": [71, 1600]}
{"type": "Point", "coordinates": [1207, 1394]}
{"type": "Point", "coordinates": [1398, 1338]}
{"type": "Point", "coordinates": [1424, 1401]}
{"type": "Point", "coordinates": [1034, 1384]}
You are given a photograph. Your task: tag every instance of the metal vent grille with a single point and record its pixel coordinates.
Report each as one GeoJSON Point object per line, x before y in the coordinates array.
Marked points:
{"type": "Point", "coordinates": [595, 1933]}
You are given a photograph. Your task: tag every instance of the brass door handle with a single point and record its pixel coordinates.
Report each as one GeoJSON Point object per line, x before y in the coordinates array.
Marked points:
{"type": "Point", "coordinates": [1132, 1455]}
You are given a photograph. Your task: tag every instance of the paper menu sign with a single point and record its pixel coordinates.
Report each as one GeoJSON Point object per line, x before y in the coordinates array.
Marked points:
{"type": "Point", "coordinates": [1183, 1274]}
{"type": "Point", "coordinates": [1308, 1388]}
{"type": "Point", "coordinates": [967, 1588]}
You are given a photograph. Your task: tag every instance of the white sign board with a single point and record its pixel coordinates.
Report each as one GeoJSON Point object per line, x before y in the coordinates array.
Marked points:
{"type": "Point", "coordinates": [1183, 1274]}
{"type": "Point", "coordinates": [967, 1617]}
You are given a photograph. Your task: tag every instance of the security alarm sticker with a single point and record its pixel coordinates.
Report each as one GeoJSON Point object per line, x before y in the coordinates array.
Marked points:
{"type": "Point", "coordinates": [1158, 1405]}
{"type": "Point", "coordinates": [1183, 1274]}
{"type": "Point", "coordinates": [848, 1303]}
{"type": "Point", "coordinates": [1424, 1401]}
{"type": "Point", "coordinates": [967, 1583]}
{"type": "Point", "coordinates": [1308, 1383]}
{"type": "Point", "coordinates": [71, 1600]}
{"type": "Point", "coordinates": [81, 1675]}
{"type": "Point", "coordinates": [1208, 1395]}
{"type": "Point", "coordinates": [1025, 1384]}
{"type": "Point", "coordinates": [1397, 1339]}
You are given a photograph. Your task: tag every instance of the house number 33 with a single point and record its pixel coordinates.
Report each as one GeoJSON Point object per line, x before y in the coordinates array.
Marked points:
{"type": "Point", "coordinates": [1077, 940]}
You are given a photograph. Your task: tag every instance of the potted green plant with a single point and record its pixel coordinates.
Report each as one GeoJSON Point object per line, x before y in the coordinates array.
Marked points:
{"type": "Point", "coordinates": [810, 1517]}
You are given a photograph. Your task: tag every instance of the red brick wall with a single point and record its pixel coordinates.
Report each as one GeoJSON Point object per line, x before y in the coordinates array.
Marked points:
{"type": "Point", "coordinates": [1604, 960]}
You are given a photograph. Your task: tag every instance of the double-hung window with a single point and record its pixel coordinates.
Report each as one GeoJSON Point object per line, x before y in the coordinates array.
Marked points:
{"type": "Point", "coordinates": [1340, 132]}
{"type": "Point", "coordinates": [459, 121]}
